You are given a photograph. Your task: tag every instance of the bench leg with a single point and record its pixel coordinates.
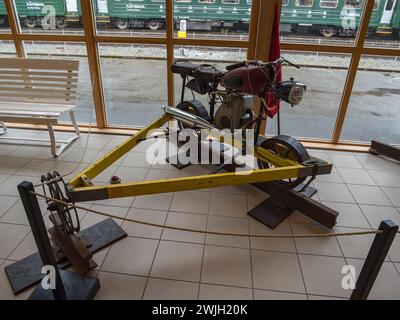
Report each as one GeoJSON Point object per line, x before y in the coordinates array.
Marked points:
{"type": "Point", "coordinates": [53, 142]}
{"type": "Point", "coordinates": [72, 116]}
{"type": "Point", "coordinates": [53, 145]}
{"type": "Point", "coordinates": [4, 128]}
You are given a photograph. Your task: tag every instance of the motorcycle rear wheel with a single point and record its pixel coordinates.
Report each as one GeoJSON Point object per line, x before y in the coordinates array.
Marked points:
{"type": "Point", "coordinates": [194, 107]}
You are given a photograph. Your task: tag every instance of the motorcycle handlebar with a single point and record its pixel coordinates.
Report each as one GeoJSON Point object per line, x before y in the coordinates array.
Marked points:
{"type": "Point", "coordinates": [260, 63]}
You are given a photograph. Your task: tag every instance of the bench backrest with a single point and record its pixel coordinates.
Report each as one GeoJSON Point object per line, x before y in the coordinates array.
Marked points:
{"type": "Point", "coordinates": [43, 81]}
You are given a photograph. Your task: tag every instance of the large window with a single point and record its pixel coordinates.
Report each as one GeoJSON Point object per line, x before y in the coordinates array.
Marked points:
{"type": "Point", "coordinates": [125, 48]}
{"type": "Point", "coordinates": [374, 109]}
{"type": "Point", "coordinates": [134, 81]}
{"type": "Point", "coordinates": [325, 76]}
{"type": "Point", "coordinates": [84, 111]}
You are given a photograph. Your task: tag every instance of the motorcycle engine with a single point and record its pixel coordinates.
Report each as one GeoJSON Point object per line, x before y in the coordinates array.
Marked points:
{"type": "Point", "coordinates": [234, 112]}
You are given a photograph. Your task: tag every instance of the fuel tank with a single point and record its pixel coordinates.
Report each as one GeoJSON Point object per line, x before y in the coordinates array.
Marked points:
{"type": "Point", "coordinates": [249, 79]}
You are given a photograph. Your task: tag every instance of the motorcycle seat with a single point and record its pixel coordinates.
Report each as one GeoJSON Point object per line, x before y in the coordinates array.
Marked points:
{"type": "Point", "coordinates": [201, 72]}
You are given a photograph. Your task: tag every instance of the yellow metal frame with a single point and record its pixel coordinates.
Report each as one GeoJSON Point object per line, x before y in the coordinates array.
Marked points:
{"type": "Point", "coordinates": [81, 187]}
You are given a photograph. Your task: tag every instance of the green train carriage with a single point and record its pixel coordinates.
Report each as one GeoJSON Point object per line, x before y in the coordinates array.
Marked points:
{"type": "Point", "coordinates": [200, 14]}
{"type": "Point", "coordinates": [32, 13]}
{"type": "Point", "coordinates": [329, 17]}
{"type": "Point", "coordinates": [73, 11]}
{"type": "Point", "coordinates": [338, 17]}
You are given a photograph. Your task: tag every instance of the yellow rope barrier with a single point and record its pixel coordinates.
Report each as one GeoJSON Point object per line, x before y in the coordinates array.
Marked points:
{"type": "Point", "coordinates": [321, 235]}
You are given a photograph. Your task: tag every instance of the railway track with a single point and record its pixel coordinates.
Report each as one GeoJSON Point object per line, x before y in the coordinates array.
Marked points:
{"type": "Point", "coordinates": [132, 51]}
{"type": "Point", "coordinates": [285, 38]}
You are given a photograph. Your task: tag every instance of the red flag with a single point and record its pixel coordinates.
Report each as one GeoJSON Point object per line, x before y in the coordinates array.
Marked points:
{"type": "Point", "coordinates": [274, 54]}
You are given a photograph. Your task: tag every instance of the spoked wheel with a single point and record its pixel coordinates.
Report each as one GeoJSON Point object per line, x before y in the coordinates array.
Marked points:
{"type": "Point", "coordinates": [194, 107]}
{"type": "Point", "coordinates": [287, 147]}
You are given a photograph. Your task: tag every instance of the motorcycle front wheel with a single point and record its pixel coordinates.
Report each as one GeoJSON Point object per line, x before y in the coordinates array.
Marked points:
{"type": "Point", "coordinates": [287, 147]}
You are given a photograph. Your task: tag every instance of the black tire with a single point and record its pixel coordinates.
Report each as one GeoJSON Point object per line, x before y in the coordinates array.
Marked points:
{"type": "Point", "coordinates": [288, 147]}
{"type": "Point", "coordinates": [195, 107]}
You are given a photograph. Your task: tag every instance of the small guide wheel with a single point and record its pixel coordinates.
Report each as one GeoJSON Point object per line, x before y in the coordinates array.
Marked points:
{"type": "Point", "coordinates": [289, 148]}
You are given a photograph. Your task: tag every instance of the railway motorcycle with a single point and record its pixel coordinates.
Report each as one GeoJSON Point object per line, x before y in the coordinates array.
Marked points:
{"type": "Point", "coordinates": [230, 103]}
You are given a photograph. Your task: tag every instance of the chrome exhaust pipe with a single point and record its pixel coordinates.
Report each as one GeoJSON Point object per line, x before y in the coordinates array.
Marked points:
{"type": "Point", "coordinates": [187, 118]}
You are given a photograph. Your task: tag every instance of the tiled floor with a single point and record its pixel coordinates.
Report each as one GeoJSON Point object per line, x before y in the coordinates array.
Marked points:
{"type": "Point", "coordinates": [158, 263]}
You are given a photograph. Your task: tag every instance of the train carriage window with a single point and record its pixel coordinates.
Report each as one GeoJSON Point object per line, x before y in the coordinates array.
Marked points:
{"type": "Point", "coordinates": [285, 3]}
{"type": "Point", "coordinates": [206, 1]}
{"type": "Point", "coordinates": [389, 5]}
{"type": "Point", "coordinates": [230, 1]}
{"type": "Point", "coordinates": [328, 3]}
{"type": "Point", "coordinates": [358, 4]}
{"type": "Point", "coordinates": [304, 3]}
{"type": "Point", "coordinates": [185, 1]}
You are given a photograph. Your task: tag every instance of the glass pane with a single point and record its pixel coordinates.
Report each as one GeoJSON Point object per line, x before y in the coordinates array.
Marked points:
{"type": "Point", "coordinates": [316, 115]}
{"type": "Point", "coordinates": [212, 19]}
{"type": "Point", "coordinates": [374, 109]}
{"type": "Point", "coordinates": [384, 26]}
{"type": "Point", "coordinates": [130, 17]}
{"type": "Point", "coordinates": [50, 16]}
{"type": "Point", "coordinates": [7, 49]}
{"type": "Point", "coordinates": [84, 112]}
{"type": "Point", "coordinates": [135, 83]}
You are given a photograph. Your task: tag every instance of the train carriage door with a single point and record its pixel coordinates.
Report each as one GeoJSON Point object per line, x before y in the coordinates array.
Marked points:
{"type": "Point", "coordinates": [102, 6]}
{"type": "Point", "coordinates": [388, 12]}
{"type": "Point", "coordinates": [72, 5]}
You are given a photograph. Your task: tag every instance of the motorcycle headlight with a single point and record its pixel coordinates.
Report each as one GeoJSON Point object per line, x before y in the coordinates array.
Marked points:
{"type": "Point", "coordinates": [290, 91]}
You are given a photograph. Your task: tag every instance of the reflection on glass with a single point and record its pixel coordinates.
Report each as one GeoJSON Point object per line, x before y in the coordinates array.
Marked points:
{"type": "Point", "coordinates": [214, 19]}
{"type": "Point", "coordinates": [134, 81]}
{"type": "Point", "coordinates": [324, 75]}
{"type": "Point", "coordinates": [84, 112]}
{"type": "Point", "coordinates": [373, 111]}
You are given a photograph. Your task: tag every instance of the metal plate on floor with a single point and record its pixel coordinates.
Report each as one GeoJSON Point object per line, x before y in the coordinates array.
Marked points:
{"type": "Point", "coordinates": [27, 271]}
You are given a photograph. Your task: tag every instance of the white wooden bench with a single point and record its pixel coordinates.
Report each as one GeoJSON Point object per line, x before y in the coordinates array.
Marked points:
{"type": "Point", "coordinates": [37, 91]}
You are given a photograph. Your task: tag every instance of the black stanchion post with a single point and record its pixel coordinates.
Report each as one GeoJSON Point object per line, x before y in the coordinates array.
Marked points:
{"type": "Point", "coordinates": [376, 256]}
{"type": "Point", "coordinates": [34, 214]}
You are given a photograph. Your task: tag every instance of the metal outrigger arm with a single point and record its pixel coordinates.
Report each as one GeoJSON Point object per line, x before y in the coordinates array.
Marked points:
{"type": "Point", "coordinates": [81, 188]}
